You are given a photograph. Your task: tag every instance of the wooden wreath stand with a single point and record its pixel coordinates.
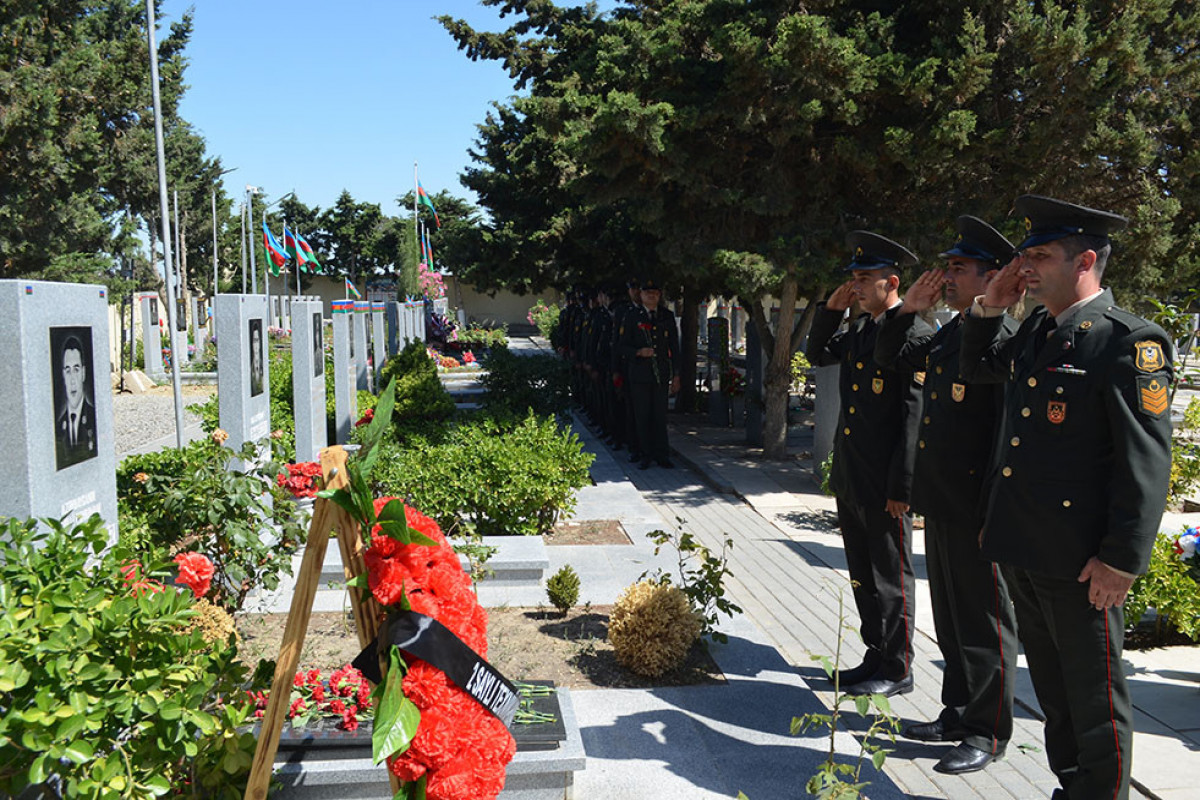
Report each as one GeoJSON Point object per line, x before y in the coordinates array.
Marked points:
{"type": "Point", "coordinates": [327, 517]}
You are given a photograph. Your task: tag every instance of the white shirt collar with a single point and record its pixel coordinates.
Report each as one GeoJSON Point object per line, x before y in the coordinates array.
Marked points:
{"type": "Point", "coordinates": [1070, 311]}
{"type": "Point", "coordinates": [883, 313]}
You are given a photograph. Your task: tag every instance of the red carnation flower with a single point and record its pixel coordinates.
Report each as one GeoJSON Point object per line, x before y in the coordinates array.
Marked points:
{"type": "Point", "coordinates": [195, 572]}
{"type": "Point", "coordinates": [366, 419]}
{"type": "Point", "coordinates": [349, 721]}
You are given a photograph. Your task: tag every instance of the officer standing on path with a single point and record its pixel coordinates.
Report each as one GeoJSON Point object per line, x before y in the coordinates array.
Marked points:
{"type": "Point", "coordinates": [621, 371]}
{"type": "Point", "coordinates": [972, 614]}
{"type": "Point", "coordinates": [650, 342]}
{"type": "Point", "coordinates": [621, 304]}
{"type": "Point", "coordinates": [873, 461]}
{"type": "Point", "coordinates": [1079, 481]}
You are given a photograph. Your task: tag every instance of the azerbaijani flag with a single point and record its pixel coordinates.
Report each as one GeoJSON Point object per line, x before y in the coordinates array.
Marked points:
{"type": "Point", "coordinates": [275, 253]}
{"type": "Point", "coordinates": [289, 246]}
{"type": "Point", "coordinates": [307, 251]}
{"type": "Point", "coordinates": [423, 199]}
{"type": "Point", "coordinates": [351, 290]}
{"type": "Point", "coordinates": [428, 249]}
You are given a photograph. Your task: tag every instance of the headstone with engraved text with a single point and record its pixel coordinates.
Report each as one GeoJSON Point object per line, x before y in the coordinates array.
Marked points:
{"type": "Point", "coordinates": [152, 362]}
{"type": "Point", "coordinates": [308, 377]}
{"type": "Point", "coordinates": [243, 374]}
{"type": "Point", "coordinates": [345, 392]}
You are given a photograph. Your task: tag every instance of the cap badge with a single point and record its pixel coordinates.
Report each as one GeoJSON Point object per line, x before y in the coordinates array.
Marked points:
{"type": "Point", "coordinates": [1028, 225]}
{"type": "Point", "coordinates": [858, 251]}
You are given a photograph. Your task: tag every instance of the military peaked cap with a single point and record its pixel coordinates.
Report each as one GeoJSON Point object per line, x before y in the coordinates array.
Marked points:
{"type": "Point", "coordinates": [980, 241]}
{"type": "Point", "coordinates": [872, 251]}
{"type": "Point", "coordinates": [1047, 220]}
{"type": "Point", "coordinates": [651, 285]}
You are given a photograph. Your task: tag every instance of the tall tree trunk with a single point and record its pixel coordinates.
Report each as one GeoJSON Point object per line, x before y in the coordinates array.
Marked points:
{"type": "Point", "coordinates": [777, 372]}
{"type": "Point", "coordinates": [689, 334]}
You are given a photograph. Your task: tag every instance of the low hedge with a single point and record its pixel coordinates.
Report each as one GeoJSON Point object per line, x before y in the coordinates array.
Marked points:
{"type": "Point", "coordinates": [519, 384]}
{"type": "Point", "coordinates": [490, 476]}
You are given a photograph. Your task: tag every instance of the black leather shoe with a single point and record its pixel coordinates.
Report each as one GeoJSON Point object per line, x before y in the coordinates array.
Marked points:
{"type": "Point", "coordinates": [935, 731]}
{"type": "Point", "coordinates": [645, 464]}
{"type": "Point", "coordinates": [849, 677]}
{"type": "Point", "coordinates": [882, 686]}
{"type": "Point", "coordinates": [666, 463]}
{"type": "Point", "coordinates": [964, 758]}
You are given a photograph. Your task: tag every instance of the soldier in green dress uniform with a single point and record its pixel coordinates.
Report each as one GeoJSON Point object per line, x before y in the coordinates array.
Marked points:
{"type": "Point", "coordinates": [1079, 480]}
{"type": "Point", "coordinates": [873, 454]}
{"type": "Point", "coordinates": [649, 341]}
{"type": "Point", "coordinates": [972, 614]}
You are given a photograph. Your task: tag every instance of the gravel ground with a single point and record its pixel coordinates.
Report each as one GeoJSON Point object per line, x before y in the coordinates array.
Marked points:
{"type": "Point", "coordinates": [140, 419]}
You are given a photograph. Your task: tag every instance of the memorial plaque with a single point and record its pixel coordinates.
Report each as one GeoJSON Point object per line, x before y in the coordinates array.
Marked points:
{"type": "Point", "coordinates": [378, 339]}
{"type": "Point", "coordinates": [199, 318]}
{"type": "Point", "coordinates": [362, 311]}
{"type": "Point", "coordinates": [308, 378]}
{"type": "Point", "coordinates": [394, 337]}
{"type": "Point", "coordinates": [345, 393]}
{"type": "Point", "coordinates": [243, 374]}
{"type": "Point", "coordinates": [152, 363]}
{"type": "Point", "coordinates": [57, 429]}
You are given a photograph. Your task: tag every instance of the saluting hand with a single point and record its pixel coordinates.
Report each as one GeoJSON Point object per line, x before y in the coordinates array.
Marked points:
{"type": "Point", "coordinates": [924, 292]}
{"type": "Point", "coordinates": [1107, 588]}
{"type": "Point", "coordinates": [1007, 288]}
{"type": "Point", "coordinates": [842, 297]}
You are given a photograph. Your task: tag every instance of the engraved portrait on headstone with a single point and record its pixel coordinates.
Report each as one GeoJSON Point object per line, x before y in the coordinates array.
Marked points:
{"type": "Point", "coordinates": [318, 346]}
{"type": "Point", "coordinates": [256, 358]}
{"type": "Point", "coordinates": [74, 395]}
{"type": "Point", "coordinates": [201, 312]}
{"type": "Point", "coordinates": [352, 336]}
{"type": "Point", "coordinates": [153, 310]}
{"type": "Point", "coordinates": [181, 315]}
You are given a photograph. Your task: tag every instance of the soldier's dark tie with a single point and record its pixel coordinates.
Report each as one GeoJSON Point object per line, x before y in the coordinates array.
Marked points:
{"type": "Point", "coordinates": [72, 430]}
{"type": "Point", "coordinates": [1044, 332]}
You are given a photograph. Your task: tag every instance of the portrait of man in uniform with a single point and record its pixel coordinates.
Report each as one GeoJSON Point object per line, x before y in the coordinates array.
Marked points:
{"type": "Point", "coordinates": [256, 358]}
{"type": "Point", "coordinates": [318, 346]}
{"type": "Point", "coordinates": [74, 395]}
{"type": "Point", "coordinates": [154, 311]}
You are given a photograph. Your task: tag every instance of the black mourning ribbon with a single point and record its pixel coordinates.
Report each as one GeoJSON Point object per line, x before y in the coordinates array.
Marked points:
{"type": "Point", "coordinates": [423, 637]}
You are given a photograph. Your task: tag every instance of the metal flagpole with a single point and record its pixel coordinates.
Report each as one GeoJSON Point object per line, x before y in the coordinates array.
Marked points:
{"type": "Point", "coordinates": [243, 241]}
{"type": "Point", "coordinates": [214, 217]}
{"type": "Point", "coordinates": [416, 215]}
{"type": "Point", "coordinates": [163, 209]}
{"type": "Point", "coordinates": [267, 268]}
{"type": "Point", "coordinates": [250, 239]}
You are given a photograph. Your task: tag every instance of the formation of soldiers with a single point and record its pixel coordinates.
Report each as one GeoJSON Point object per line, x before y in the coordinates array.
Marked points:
{"type": "Point", "coordinates": [1037, 451]}
{"type": "Point", "coordinates": [623, 348]}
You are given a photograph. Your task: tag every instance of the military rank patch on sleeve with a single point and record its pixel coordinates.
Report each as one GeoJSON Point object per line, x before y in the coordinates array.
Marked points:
{"type": "Point", "coordinates": [1149, 356]}
{"type": "Point", "coordinates": [919, 378]}
{"type": "Point", "coordinates": [1153, 398]}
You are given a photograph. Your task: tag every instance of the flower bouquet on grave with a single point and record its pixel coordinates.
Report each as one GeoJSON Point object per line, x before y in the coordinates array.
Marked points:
{"type": "Point", "coordinates": [345, 696]}
{"type": "Point", "coordinates": [441, 711]}
{"type": "Point", "coordinates": [1187, 547]}
{"type": "Point", "coordinates": [301, 480]}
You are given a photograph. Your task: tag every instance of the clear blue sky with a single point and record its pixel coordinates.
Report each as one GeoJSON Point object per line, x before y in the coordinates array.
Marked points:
{"type": "Point", "coordinates": [318, 96]}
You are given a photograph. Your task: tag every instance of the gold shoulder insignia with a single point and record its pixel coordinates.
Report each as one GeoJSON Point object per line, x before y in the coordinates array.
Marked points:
{"type": "Point", "coordinates": [1152, 396]}
{"type": "Point", "coordinates": [1149, 357]}
{"type": "Point", "coordinates": [919, 378]}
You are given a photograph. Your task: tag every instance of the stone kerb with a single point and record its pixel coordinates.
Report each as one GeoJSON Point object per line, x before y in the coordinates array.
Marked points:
{"type": "Point", "coordinates": [243, 369]}
{"type": "Point", "coordinates": [152, 363]}
{"type": "Point", "coordinates": [57, 430]}
{"type": "Point", "coordinates": [308, 378]}
{"type": "Point", "coordinates": [344, 392]}
{"type": "Point", "coordinates": [362, 310]}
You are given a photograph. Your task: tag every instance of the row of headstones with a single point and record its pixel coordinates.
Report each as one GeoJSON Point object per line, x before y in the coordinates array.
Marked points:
{"type": "Point", "coordinates": [58, 429]}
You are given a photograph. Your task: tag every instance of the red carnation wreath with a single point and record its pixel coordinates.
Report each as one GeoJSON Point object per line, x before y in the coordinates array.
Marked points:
{"type": "Point", "coordinates": [460, 748]}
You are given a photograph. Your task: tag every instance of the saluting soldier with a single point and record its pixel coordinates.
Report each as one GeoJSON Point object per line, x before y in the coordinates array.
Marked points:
{"type": "Point", "coordinates": [1080, 477]}
{"type": "Point", "coordinates": [650, 343]}
{"type": "Point", "coordinates": [873, 461]}
{"type": "Point", "coordinates": [972, 614]}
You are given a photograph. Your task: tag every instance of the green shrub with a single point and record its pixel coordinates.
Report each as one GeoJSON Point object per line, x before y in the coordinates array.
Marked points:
{"type": "Point", "coordinates": [563, 589]}
{"type": "Point", "coordinates": [545, 318]}
{"type": "Point", "coordinates": [1185, 454]}
{"type": "Point", "coordinates": [522, 383]}
{"type": "Point", "coordinates": [1169, 589]}
{"type": "Point", "coordinates": [489, 477]}
{"type": "Point", "coordinates": [476, 336]}
{"type": "Point", "coordinates": [190, 499]}
{"type": "Point", "coordinates": [421, 400]}
{"type": "Point", "coordinates": [104, 690]}
{"type": "Point", "coordinates": [701, 576]}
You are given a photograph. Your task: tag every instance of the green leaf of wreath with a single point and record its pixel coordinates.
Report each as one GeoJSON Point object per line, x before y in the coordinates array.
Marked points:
{"type": "Point", "coordinates": [397, 717]}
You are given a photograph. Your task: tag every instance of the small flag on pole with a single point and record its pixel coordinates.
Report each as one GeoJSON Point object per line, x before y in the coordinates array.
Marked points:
{"type": "Point", "coordinates": [309, 255]}
{"type": "Point", "coordinates": [275, 253]}
{"type": "Point", "coordinates": [350, 290]}
{"type": "Point", "coordinates": [423, 199]}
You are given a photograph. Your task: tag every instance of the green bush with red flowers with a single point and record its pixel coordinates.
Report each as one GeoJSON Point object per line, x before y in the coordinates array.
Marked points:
{"type": "Point", "coordinates": [106, 688]}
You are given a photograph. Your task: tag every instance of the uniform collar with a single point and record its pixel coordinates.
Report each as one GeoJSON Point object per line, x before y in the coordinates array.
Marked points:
{"type": "Point", "coordinates": [1064, 318]}
{"type": "Point", "coordinates": [886, 311]}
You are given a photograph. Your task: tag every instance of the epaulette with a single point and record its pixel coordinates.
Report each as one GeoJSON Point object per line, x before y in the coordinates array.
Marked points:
{"type": "Point", "coordinates": [1125, 319]}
